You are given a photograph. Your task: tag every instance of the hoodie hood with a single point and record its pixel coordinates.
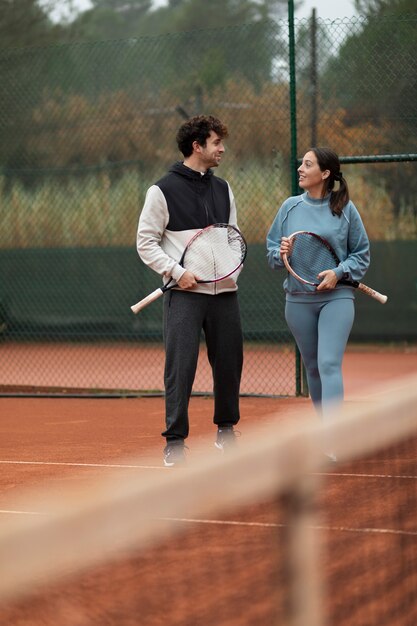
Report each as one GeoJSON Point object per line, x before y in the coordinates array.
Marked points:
{"type": "Point", "coordinates": [187, 172]}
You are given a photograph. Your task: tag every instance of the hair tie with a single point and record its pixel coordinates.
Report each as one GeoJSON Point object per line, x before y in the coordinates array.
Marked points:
{"type": "Point", "coordinates": [339, 176]}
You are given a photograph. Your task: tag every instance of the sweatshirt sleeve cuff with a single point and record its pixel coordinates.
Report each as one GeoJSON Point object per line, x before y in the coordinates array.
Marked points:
{"type": "Point", "coordinates": [177, 272]}
{"type": "Point", "coordinates": [339, 271]}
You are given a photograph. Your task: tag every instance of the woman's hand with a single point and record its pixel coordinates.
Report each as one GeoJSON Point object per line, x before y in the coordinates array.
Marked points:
{"type": "Point", "coordinates": [328, 280]}
{"type": "Point", "coordinates": [285, 247]}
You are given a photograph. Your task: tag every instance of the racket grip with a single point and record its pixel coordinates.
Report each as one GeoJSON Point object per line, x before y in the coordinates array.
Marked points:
{"type": "Point", "coordinates": [372, 293]}
{"type": "Point", "coordinates": [145, 301]}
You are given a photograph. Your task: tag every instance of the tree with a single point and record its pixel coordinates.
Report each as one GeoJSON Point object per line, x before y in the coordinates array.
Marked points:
{"type": "Point", "coordinates": [365, 76]}
{"type": "Point", "coordinates": [199, 14]}
{"type": "Point", "coordinates": [373, 77]}
{"type": "Point", "coordinates": [384, 7]}
{"type": "Point", "coordinates": [23, 24]}
{"type": "Point", "coordinates": [205, 54]}
{"type": "Point", "coordinates": [26, 23]}
{"type": "Point", "coordinates": [110, 19]}
{"type": "Point", "coordinates": [132, 18]}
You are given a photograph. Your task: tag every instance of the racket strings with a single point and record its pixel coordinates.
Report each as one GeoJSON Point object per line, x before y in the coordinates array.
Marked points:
{"type": "Point", "coordinates": [215, 254]}
{"type": "Point", "coordinates": [309, 257]}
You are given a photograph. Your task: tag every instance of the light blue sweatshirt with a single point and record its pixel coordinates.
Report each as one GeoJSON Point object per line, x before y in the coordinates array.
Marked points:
{"type": "Point", "coordinates": [346, 234]}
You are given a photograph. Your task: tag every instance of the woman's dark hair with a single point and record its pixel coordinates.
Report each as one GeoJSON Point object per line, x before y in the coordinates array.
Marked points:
{"type": "Point", "coordinates": [198, 129]}
{"type": "Point", "coordinates": [328, 160]}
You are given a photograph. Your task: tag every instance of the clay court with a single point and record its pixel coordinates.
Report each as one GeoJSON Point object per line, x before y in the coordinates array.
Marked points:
{"type": "Point", "coordinates": [223, 570]}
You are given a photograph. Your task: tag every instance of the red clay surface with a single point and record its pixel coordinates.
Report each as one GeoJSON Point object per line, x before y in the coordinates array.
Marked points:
{"type": "Point", "coordinates": [268, 369]}
{"type": "Point", "coordinates": [221, 574]}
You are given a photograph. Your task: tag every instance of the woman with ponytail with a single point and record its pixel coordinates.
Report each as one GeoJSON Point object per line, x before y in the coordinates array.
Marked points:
{"type": "Point", "coordinates": [321, 318]}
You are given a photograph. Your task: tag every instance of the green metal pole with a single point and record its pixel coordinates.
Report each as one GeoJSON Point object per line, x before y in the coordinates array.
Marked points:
{"type": "Point", "coordinates": [313, 77]}
{"type": "Point", "coordinates": [293, 98]}
{"type": "Point", "coordinates": [293, 159]}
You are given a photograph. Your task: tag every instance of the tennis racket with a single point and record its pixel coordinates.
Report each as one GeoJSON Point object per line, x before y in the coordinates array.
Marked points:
{"type": "Point", "coordinates": [212, 254]}
{"type": "Point", "coordinates": [311, 254]}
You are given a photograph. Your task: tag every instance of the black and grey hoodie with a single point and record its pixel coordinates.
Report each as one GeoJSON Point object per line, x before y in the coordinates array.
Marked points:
{"type": "Point", "coordinates": [176, 207]}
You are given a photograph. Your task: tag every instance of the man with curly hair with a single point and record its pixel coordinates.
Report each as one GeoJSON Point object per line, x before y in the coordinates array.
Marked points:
{"type": "Point", "coordinates": [188, 198]}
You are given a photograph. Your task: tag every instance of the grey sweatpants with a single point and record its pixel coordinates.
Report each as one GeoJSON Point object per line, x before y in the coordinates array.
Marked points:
{"type": "Point", "coordinates": [186, 315]}
{"type": "Point", "coordinates": [321, 331]}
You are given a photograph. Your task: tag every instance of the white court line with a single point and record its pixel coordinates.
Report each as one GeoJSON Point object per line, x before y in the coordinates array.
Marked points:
{"type": "Point", "coordinates": [122, 466]}
{"type": "Point", "coordinates": [411, 477]}
{"type": "Point", "coordinates": [383, 531]}
{"type": "Point", "coordinates": [185, 520]}
{"type": "Point", "coordinates": [107, 465]}
{"type": "Point", "coordinates": [230, 523]}
{"type": "Point", "coordinates": [5, 511]}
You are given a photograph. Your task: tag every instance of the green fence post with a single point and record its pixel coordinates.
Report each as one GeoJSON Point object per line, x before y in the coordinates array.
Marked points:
{"type": "Point", "coordinates": [300, 383]}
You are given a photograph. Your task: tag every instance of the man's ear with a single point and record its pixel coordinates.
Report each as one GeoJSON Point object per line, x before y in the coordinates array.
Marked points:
{"type": "Point", "coordinates": [196, 146]}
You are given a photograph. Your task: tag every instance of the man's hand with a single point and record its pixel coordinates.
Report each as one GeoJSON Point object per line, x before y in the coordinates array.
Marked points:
{"type": "Point", "coordinates": [187, 280]}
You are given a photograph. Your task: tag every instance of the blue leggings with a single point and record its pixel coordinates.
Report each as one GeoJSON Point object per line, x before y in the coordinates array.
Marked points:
{"type": "Point", "coordinates": [321, 331]}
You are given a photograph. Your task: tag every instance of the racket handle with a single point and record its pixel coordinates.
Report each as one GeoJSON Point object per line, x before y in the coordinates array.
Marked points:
{"type": "Point", "coordinates": [145, 301]}
{"type": "Point", "coordinates": [372, 293]}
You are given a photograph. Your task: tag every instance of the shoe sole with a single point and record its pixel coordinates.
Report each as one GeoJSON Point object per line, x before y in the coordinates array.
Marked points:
{"type": "Point", "coordinates": [223, 448]}
{"type": "Point", "coordinates": [173, 463]}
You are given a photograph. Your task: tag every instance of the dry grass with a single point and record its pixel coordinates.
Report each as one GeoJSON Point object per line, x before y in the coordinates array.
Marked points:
{"type": "Point", "coordinates": [93, 210]}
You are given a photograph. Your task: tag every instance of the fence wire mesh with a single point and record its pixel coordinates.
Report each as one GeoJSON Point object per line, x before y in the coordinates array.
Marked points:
{"type": "Point", "coordinates": [87, 128]}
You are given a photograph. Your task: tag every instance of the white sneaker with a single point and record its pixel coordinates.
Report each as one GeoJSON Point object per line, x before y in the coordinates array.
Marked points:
{"type": "Point", "coordinates": [226, 439]}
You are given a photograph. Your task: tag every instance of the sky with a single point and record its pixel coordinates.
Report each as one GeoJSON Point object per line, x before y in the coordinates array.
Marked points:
{"type": "Point", "coordinates": [327, 9]}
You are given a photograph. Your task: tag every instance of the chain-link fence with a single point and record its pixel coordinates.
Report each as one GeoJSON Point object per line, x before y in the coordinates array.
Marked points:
{"type": "Point", "coordinates": [87, 128]}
